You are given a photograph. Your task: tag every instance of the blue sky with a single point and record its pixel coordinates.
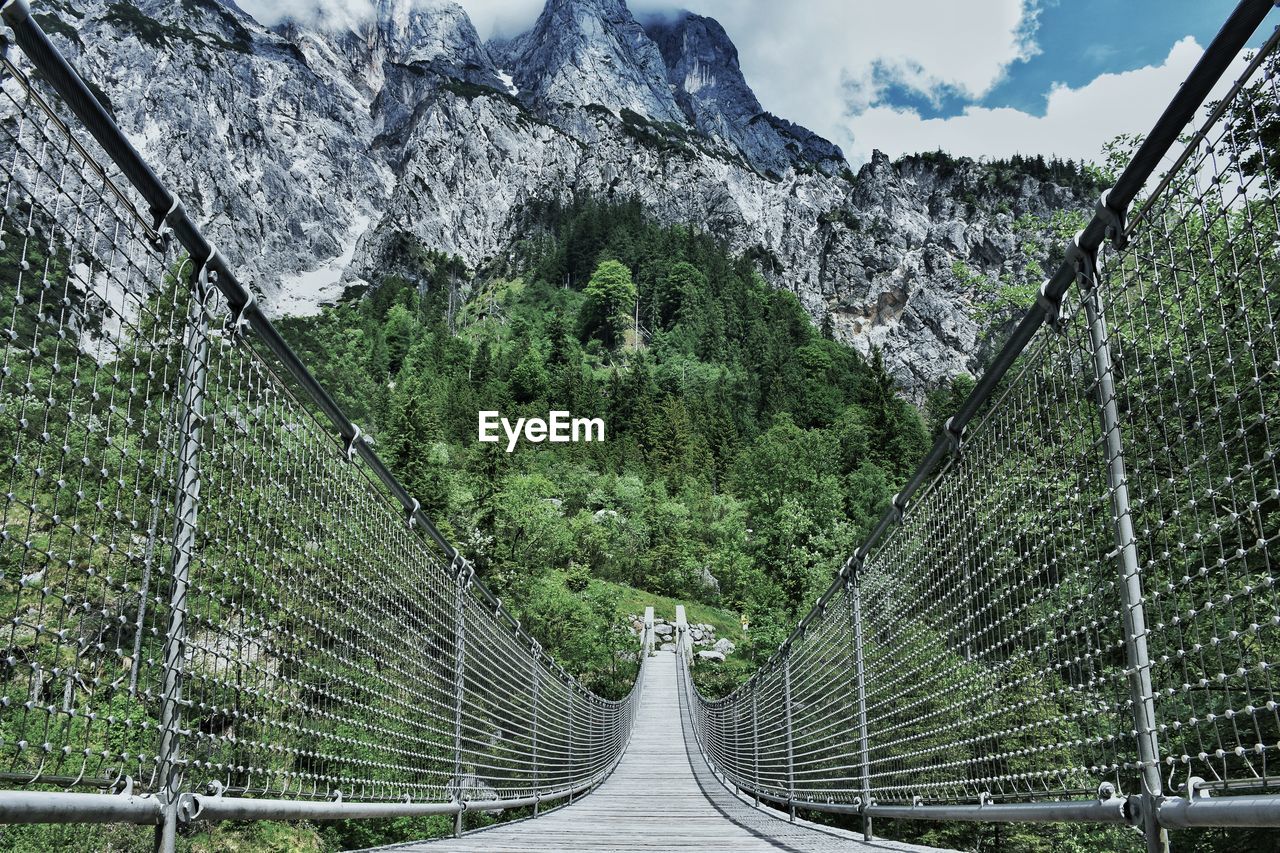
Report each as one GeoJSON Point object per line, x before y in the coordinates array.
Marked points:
{"type": "Point", "coordinates": [1078, 40]}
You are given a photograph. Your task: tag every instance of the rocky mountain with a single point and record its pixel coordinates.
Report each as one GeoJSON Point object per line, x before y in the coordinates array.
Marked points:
{"type": "Point", "coordinates": [702, 65]}
{"type": "Point", "coordinates": [318, 152]}
{"type": "Point", "coordinates": [590, 52]}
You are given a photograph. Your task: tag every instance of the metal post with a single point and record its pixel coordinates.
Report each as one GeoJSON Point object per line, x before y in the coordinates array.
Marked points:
{"type": "Point", "coordinates": [195, 371]}
{"type": "Point", "coordinates": [864, 759]}
{"type": "Point", "coordinates": [573, 756]}
{"type": "Point", "coordinates": [592, 732]}
{"type": "Point", "coordinates": [1133, 611]}
{"type": "Point", "coordinates": [737, 746]}
{"type": "Point", "coordinates": [537, 781]}
{"type": "Point", "coordinates": [459, 688]}
{"type": "Point", "coordinates": [755, 744]}
{"type": "Point", "coordinates": [786, 704]}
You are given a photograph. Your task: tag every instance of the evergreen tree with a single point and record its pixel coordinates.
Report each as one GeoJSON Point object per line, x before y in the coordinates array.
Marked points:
{"type": "Point", "coordinates": [413, 448]}
{"type": "Point", "coordinates": [399, 331]}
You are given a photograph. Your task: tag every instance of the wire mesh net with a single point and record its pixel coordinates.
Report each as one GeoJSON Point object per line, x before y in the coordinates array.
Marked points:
{"type": "Point", "coordinates": [993, 619]}
{"type": "Point", "coordinates": [994, 660]}
{"type": "Point", "coordinates": [203, 587]}
{"type": "Point", "coordinates": [1192, 308]}
{"type": "Point", "coordinates": [87, 405]}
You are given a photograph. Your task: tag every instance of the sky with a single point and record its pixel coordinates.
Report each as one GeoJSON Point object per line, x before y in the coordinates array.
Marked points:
{"type": "Point", "coordinates": [977, 77]}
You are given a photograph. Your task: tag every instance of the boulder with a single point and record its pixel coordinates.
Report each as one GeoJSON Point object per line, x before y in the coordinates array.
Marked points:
{"type": "Point", "coordinates": [709, 582]}
{"type": "Point", "coordinates": [662, 629]}
{"type": "Point", "coordinates": [715, 656]}
{"type": "Point", "coordinates": [724, 647]}
{"type": "Point", "coordinates": [667, 647]}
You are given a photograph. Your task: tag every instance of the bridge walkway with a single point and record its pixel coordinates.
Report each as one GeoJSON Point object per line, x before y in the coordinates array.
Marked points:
{"type": "Point", "coordinates": [662, 796]}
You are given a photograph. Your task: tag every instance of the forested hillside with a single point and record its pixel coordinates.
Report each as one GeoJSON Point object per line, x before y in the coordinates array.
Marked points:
{"type": "Point", "coordinates": [745, 453]}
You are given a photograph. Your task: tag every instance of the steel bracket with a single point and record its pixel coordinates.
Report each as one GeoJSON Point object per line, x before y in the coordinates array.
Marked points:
{"type": "Point", "coordinates": [899, 508]}
{"type": "Point", "coordinates": [1084, 261]}
{"type": "Point", "coordinates": [203, 272]}
{"type": "Point", "coordinates": [351, 443]}
{"type": "Point", "coordinates": [125, 786]}
{"type": "Point", "coordinates": [236, 326]}
{"type": "Point", "coordinates": [1115, 221]}
{"type": "Point", "coordinates": [954, 436]}
{"type": "Point", "coordinates": [162, 224]}
{"type": "Point", "coordinates": [1052, 308]}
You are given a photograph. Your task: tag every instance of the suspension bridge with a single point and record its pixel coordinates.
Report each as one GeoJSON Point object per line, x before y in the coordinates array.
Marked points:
{"type": "Point", "coordinates": [221, 605]}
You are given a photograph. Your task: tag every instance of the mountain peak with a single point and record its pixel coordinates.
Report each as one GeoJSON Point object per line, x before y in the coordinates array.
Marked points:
{"type": "Point", "coordinates": [412, 33]}
{"type": "Point", "coordinates": [583, 52]}
{"type": "Point", "coordinates": [702, 66]}
{"type": "Point", "coordinates": [702, 63]}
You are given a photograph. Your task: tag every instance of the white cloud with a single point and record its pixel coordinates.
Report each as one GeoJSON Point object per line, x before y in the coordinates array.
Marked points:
{"type": "Point", "coordinates": [1076, 125]}
{"type": "Point", "coordinates": [502, 17]}
{"type": "Point", "coordinates": [816, 62]}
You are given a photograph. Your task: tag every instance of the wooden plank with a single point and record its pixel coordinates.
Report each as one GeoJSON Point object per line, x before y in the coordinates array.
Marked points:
{"type": "Point", "coordinates": [658, 798]}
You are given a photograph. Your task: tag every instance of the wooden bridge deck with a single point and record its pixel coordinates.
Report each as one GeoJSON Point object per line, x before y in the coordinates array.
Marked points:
{"type": "Point", "coordinates": [662, 796]}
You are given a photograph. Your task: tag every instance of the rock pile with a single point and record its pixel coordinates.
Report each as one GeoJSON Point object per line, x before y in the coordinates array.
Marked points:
{"type": "Point", "coordinates": [702, 636]}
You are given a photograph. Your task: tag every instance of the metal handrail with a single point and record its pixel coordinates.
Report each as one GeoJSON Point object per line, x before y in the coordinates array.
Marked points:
{"type": "Point", "coordinates": [500, 677]}
{"type": "Point", "coordinates": [950, 600]}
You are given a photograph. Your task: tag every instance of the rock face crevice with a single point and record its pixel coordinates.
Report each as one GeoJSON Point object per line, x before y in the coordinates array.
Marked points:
{"type": "Point", "coordinates": [702, 67]}
{"type": "Point", "coordinates": [314, 152]}
{"type": "Point", "coordinates": [590, 52]}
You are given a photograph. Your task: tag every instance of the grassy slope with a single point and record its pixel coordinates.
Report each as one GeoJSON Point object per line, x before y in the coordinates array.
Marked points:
{"type": "Point", "coordinates": [632, 602]}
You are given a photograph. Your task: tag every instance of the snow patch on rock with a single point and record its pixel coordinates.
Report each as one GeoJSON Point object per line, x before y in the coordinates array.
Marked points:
{"type": "Point", "coordinates": [304, 294]}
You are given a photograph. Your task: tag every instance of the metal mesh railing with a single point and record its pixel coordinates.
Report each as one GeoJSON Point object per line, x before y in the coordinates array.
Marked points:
{"type": "Point", "coordinates": [90, 366]}
{"type": "Point", "coordinates": [992, 656]}
{"type": "Point", "coordinates": [212, 599]}
{"type": "Point", "coordinates": [1077, 603]}
{"type": "Point", "coordinates": [1192, 305]}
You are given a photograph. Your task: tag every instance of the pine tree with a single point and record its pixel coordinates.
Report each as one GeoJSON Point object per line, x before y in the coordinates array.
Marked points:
{"type": "Point", "coordinates": [399, 331]}
{"type": "Point", "coordinates": [558, 338]}
{"type": "Point", "coordinates": [413, 447]}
